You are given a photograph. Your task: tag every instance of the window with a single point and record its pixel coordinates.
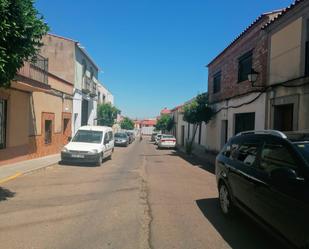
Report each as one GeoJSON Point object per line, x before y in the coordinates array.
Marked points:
{"type": "Point", "coordinates": [91, 73]}
{"type": "Point", "coordinates": [247, 152]}
{"type": "Point", "coordinates": [106, 138]}
{"type": "Point", "coordinates": [244, 66]}
{"type": "Point", "coordinates": [3, 106]}
{"type": "Point", "coordinates": [84, 67]}
{"type": "Point", "coordinates": [283, 117]}
{"type": "Point", "coordinates": [48, 131]}
{"type": "Point", "coordinates": [244, 122]}
{"type": "Point", "coordinates": [85, 136]}
{"type": "Point", "coordinates": [217, 82]}
{"type": "Point", "coordinates": [65, 125]}
{"type": "Point", "coordinates": [111, 137]}
{"type": "Point", "coordinates": [275, 155]}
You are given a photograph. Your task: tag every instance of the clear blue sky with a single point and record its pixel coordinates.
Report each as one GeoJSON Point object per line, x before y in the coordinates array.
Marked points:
{"type": "Point", "coordinates": [153, 52]}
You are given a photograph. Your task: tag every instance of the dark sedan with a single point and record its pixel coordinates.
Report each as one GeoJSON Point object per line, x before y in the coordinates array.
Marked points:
{"type": "Point", "coordinates": [121, 139]}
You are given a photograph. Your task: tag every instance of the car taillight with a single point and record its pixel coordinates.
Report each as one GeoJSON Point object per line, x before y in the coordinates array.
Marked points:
{"type": "Point", "coordinates": [168, 140]}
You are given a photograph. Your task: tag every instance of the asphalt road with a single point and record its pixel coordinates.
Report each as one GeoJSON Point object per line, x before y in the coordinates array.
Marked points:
{"type": "Point", "coordinates": [142, 198]}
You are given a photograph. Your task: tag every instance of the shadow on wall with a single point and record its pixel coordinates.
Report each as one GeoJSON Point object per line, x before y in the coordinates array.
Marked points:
{"type": "Point", "coordinates": [239, 231]}
{"type": "Point", "coordinates": [5, 194]}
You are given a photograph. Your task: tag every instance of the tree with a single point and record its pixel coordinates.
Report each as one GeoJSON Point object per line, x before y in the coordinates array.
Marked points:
{"type": "Point", "coordinates": [196, 112]}
{"type": "Point", "coordinates": [21, 29]}
{"type": "Point", "coordinates": [107, 114]}
{"type": "Point", "coordinates": [165, 123]}
{"type": "Point", "coordinates": [127, 124]}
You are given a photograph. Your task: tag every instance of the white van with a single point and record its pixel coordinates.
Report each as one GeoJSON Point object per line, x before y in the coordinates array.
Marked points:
{"type": "Point", "coordinates": [90, 144]}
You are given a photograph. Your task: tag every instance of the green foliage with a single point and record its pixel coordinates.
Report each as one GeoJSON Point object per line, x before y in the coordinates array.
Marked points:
{"type": "Point", "coordinates": [165, 123]}
{"type": "Point", "coordinates": [21, 31]}
{"type": "Point", "coordinates": [107, 114]}
{"type": "Point", "coordinates": [127, 124]}
{"type": "Point", "coordinates": [198, 110]}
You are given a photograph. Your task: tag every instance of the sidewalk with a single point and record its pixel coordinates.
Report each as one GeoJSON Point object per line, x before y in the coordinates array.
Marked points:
{"type": "Point", "coordinates": [11, 171]}
{"type": "Point", "coordinates": [199, 158]}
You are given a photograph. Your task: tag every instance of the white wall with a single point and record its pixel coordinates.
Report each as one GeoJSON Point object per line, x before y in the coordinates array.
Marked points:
{"type": "Point", "coordinates": [109, 98]}
{"type": "Point", "coordinates": [214, 126]}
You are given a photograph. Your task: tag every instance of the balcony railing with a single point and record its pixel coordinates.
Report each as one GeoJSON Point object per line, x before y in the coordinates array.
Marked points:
{"type": "Point", "coordinates": [35, 70]}
{"type": "Point", "coordinates": [89, 86]}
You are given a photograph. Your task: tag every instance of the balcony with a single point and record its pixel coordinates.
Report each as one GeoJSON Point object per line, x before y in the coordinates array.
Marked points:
{"type": "Point", "coordinates": [86, 86]}
{"type": "Point", "coordinates": [89, 86]}
{"type": "Point", "coordinates": [33, 76]}
{"type": "Point", "coordinates": [93, 92]}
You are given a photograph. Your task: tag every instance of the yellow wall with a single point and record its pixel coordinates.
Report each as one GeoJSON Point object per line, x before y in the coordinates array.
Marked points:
{"type": "Point", "coordinates": [44, 102]}
{"type": "Point", "coordinates": [285, 53]}
{"type": "Point", "coordinates": [17, 118]}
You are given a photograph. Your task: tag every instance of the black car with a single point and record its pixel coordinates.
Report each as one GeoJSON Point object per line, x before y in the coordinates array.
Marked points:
{"type": "Point", "coordinates": [266, 175]}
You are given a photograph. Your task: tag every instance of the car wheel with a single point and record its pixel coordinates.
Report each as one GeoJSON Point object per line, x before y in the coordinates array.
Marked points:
{"type": "Point", "coordinates": [226, 204]}
{"type": "Point", "coordinates": [100, 160]}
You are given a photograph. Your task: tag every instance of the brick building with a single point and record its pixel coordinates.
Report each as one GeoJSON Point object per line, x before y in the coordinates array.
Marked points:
{"type": "Point", "coordinates": [239, 104]}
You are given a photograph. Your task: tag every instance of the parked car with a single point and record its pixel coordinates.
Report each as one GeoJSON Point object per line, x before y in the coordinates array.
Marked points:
{"type": "Point", "coordinates": [167, 141]}
{"type": "Point", "coordinates": [130, 135]}
{"type": "Point", "coordinates": [121, 139]}
{"type": "Point", "coordinates": [158, 137]}
{"type": "Point", "coordinates": [90, 144]}
{"type": "Point", "coordinates": [266, 175]}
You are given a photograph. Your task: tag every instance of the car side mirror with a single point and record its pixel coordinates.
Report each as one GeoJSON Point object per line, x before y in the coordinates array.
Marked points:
{"type": "Point", "coordinates": [283, 176]}
{"type": "Point", "coordinates": [69, 139]}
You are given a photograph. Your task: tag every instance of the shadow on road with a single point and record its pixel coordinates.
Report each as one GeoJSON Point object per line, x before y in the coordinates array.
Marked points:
{"type": "Point", "coordinates": [90, 165]}
{"type": "Point", "coordinates": [5, 194]}
{"type": "Point", "coordinates": [195, 161]}
{"type": "Point", "coordinates": [239, 232]}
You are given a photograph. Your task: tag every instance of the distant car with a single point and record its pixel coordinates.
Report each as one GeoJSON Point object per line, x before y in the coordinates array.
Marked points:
{"type": "Point", "coordinates": [167, 141]}
{"type": "Point", "coordinates": [121, 139]}
{"type": "Point", "coordinates": [90, 144]}
{"type": "Point", "coordinates": [158, 137]}
{"type": "Point", "coordinates": [131, 137]}
{"type": "Point", "coordinates": [266, 175]}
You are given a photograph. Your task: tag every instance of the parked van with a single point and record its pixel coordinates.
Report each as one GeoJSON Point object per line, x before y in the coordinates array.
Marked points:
{"type": "Point", "coordinates": [90, 144]}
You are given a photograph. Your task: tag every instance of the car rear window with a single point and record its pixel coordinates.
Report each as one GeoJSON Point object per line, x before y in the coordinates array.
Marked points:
{"type": "Point", "coordinates": [121, 135]}
{"type": "Point", "coordinates": [303, 147]}
{"type": "Point", "coordinates": [167, 136]}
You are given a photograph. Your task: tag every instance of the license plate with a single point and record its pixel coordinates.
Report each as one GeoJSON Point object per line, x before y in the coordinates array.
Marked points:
{"type": "Point", "coordinates": [77, 156]}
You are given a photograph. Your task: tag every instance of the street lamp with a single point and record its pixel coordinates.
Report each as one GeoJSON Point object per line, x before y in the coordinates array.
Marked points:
{"type": "Point", "coordinates": [252, 76]}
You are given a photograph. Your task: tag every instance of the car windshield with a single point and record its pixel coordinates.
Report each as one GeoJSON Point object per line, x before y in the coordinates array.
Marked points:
{"type": "Point", "coordinates": [84, 136]}
{"type": "Point", "coordinates": [303, 147]}
{"type": "Point", "coordinates": [120, 135]}
{"type": "Point", "coordinates": [167, 136]}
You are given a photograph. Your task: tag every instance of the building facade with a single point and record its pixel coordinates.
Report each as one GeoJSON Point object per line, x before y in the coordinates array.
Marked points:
{"type": "Point", "coordinates": [287, 103]}
{"type": "Point", "coordinates": [35, 113]}
{"type": "Point", "coordinates": [104, 95]}
{"type": "Point", "coordinates": [238, 103]}
{"type": "Point", "coordinates": [70, 62]}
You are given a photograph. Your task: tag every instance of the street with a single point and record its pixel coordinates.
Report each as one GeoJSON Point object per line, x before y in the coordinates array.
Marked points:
{"type": "Point", "coordinates": [142, 198]}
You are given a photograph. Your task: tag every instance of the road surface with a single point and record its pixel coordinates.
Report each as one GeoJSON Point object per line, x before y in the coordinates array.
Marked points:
{"type": "Point", "coordinates": [142, 198]}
